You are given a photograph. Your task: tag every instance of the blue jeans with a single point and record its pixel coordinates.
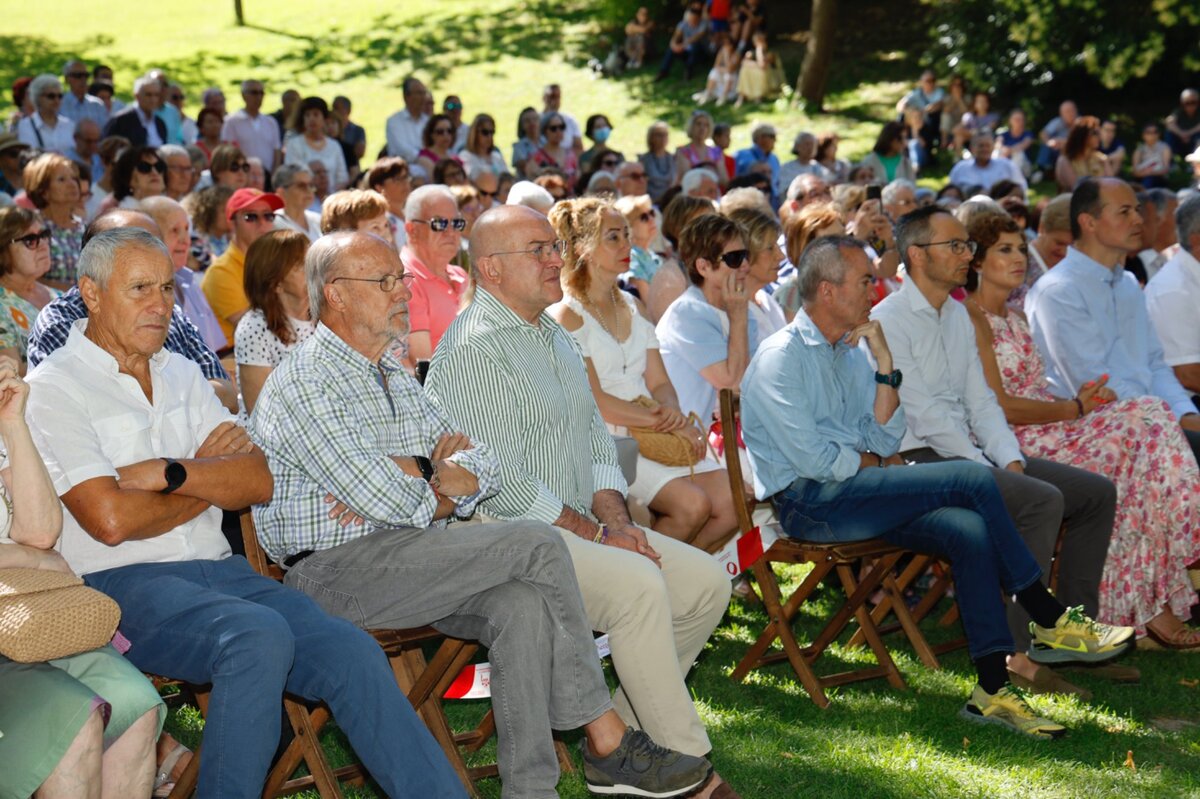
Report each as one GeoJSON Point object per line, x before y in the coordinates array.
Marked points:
{"type": "Point", "coordinates": [691, 56]}
{"type": "Point", "coordinates": [950, 509]}
{"type": "Point", "coordinates": [252, 638]}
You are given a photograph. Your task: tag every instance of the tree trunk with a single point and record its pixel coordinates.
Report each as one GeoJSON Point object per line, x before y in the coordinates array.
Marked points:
{"type": "Point", "coordinates": [241, 20]}
{"type": "Point", "coordinates": [818, 54]}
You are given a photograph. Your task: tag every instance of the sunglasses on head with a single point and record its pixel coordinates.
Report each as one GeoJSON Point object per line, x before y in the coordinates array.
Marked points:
{"type": "Point", "coordinates": [253, 216]}
{"type": "Point", "coordinates": [146, 167]}
{"type": "Point", "coordinates": [555, 128]}
{"type": "Point", "coordinates": [734, 258]}
{"type": "Point", "coordinates": [439, 223]}
{"type": "Point", "coordinates": [32, 240]}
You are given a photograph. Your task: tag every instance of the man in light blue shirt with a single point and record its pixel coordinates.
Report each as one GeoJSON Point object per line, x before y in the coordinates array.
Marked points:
{"type": "Point", "coordinates": [1089, 318]}
{"type": "Point", "coordinates": [760, 158]}
{"type": "Point", "coordinates": [77, 104]}
{"type": "Point", "coordinates": [822, 433]}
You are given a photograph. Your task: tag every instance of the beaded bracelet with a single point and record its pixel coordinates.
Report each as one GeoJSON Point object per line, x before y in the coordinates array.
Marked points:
{"type": "Point", "coordinates": [601, 535]}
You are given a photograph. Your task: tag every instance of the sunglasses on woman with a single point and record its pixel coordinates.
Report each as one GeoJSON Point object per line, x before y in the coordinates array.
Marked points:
{"type": "Point", "coordinates": [32, 240]}
{"type": "Point", "coordinates": [146, 167]}
{"type": "Point", "coordinates": [645, 216]}
{"type": "Point", "coordinates": [734, 258]}
{"type": "Point", "coordinates": [555, 128]}
{"type": "Point", "coordinates": [240, 166]}
{"type": "Point", "coordinates": [439, 223]}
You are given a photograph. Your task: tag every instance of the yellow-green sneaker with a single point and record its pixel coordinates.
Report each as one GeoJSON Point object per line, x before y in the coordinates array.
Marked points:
{"type": "Point", "coordinates": [1009, 708]}
{"type": "Point", "coordinates": [1076, 638]}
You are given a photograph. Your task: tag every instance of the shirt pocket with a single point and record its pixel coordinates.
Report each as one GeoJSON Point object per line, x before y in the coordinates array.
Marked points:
{"type": "Point", "coordinates": [126, 438]}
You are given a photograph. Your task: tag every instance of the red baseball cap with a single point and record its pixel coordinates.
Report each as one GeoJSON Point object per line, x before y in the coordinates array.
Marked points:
{"type": "Point", "coordinates": [244, 198]}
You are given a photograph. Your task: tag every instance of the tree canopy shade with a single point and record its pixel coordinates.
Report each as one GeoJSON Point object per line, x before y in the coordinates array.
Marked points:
{"type": "Point", "coordinates": [1011, 43]}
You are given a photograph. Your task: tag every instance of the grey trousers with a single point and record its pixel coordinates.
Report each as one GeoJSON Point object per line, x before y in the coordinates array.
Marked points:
{"type": "Point", "coordinates": [511, 586]}
{"type": "Point", "coordinates": [1040, 501]}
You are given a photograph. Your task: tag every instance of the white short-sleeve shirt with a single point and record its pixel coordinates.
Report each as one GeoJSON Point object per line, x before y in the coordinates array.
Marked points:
{"type": "Point", "coordinates": [88, 420]}
{"type": "Point", "coordinates": [1172, 296]}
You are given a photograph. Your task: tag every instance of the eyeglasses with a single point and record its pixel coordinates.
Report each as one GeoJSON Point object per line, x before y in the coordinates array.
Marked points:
{"type": "Point", "coordinates": [253, 216]}
{"type": "Point", "coordinates": [490, 194]}
{"type": "Point", "coordinates": [239, 166]}
{"type": "Point", "coordinates": [78, 75]}
{"type": "Point", "coordinates": [253, 91]}
{"type": "Point", "coordinates": [734, 258]}
{"type": "Point", "coordinates": [32, 240]}
{"type": "Point", "coordinates": [442, 131]}
{"type": "Point", "coordinates": [178, 98]}
{"type": "Point", "coordinates": [486, 132]}
{"type": "Point", "coordinates": [551, 128]}
{"type": "Point", "coordinates": [453, 106]}
{"type": "Point", "coordinates": [182, 170]}
{"type": "Point", "coordinates": [542, 252]}
{"type": "Point", "coordinates": [387, 283]}
{"type": "Point", "coordinates": [52, 95]}
{"type": "Point", "coordinates": [305, 186]}
{"type": "Point", "coordinates": [146, 167]}
{"type": "Point", "coordinates": [957, 246]}
{"type": "Point", "coordinates": [636, 175]}
{"type": "Point", "coordinates": [645, 216]}
{"type": "Point", "coordinates": [440, 223]}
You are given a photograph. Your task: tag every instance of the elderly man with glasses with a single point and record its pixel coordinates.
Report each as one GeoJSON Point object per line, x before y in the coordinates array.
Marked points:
{"type": "Point", "coordinates": [139, 122]}
{"type": "Point", "coordinates": [344, 427]}
{"type": "Point", "coordinates": [77, 104]}
{"type": "Point", "coordinates": [256, 134]}
{"type": "Point", "coordinates": [952, 414]}
{"type": "Point", "coordinates": [513, 377]}
{"type": "Point", "coordinates": [434, 228]}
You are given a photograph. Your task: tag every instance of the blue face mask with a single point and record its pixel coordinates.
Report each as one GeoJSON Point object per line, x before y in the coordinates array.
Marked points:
{"type": "Point", "coordinates": [601, 134]}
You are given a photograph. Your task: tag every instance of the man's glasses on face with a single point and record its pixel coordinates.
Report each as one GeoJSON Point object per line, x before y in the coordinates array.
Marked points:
{"type": "Point", "coordinates": [645, 216]}
{"type": "Point", "coordinates": [387, 283]}
{"type": "Point", "coordinates": [439, 223]}
{"type": "Point", "coordinates": [82, 75]}
{"type": "Point", "coordinates": [489, 194]}
{"type": "Point", "coordinates": [32, 240]}
{"type": "Point", "coordinates": [957, 246]}
{"type": "Point", "coordinates": [252, 217]}
{"type": "Point", "coordinates": [734, 258]}
{"type": "Point", "coordinates": [543, 251]}
{"type": "Point", "coordinates": [52, 95]}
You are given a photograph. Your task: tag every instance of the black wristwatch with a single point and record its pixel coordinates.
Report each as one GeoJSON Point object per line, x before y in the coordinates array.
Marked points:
{"type": "Point", "coordinates": [891, 379]}
{"type": "Point", "coordinates": [175, 474]}
{"type": "Point", "coordinates": [426, 467]}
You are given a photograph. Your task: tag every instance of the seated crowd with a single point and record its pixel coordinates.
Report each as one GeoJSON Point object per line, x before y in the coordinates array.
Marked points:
{"type": "Point", "coordinates": [426, 375]}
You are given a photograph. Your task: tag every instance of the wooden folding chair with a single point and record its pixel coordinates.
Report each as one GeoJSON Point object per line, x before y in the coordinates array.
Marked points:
{"type": "Point", "coordinates": [827, 559]}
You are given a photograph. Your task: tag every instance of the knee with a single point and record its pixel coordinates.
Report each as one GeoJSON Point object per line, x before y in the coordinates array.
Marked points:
{"type": "Point", "coordinates": [259, 638]}
{"type": "Point", "coordinates": [694, 508]}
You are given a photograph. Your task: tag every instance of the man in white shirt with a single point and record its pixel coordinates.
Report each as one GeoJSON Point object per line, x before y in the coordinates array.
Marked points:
{"type": "Point", "coordinates": [983, 170]}
{"type": "Point", "coordinates": [1158, 231]}
{"type": "Point", "coordinates": [144, 458]}
{"type": "Point", "coordinates": [404, 128]}
{"type": "Point", "coordinates": [552, 100]}
{"type": "Point", "coordinates": [253, 131]}
{"type": "Point", "coordinates": [952, 413]}
{"type": "Point", "coordinates": [1172, 297]}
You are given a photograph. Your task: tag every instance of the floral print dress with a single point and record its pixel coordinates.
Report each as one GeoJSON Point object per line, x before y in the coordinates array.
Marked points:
{"type": "Point", "coordinates": [1138, 444]}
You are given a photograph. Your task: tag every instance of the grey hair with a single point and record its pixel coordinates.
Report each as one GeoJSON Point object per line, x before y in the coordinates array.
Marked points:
{"type": "Point", "coordinates": [210, 93]}
{"type": "Point", "coordinates": [761, 128]}
{"type": "Point", "coordinates": [320, 261]}
{"type": "Point", "coordinates": [745, 197]}
{"type": "Point", "coordinates": [530, 195]}
{"type": "Point", "coordinates": [694, 177]}
{"type": "Point", "coordinates": [1159, 198]}
{"type": "Point", "coordinates": [246, 84]}
{"type": "Point", "coordinates": [168, 150]}
{"type": "Point", "coordinates": [98, 258]}
{"type": "Point", "coordinates": [419, 196]}
{"type": "Point", "coordinates": [889, 192]}
{"type": "Point", "coordinates": [143, 82]}
{"type": "Point", "coordinates": [1187, 221]}
{"type": "Point", "coordinates": [39, 85]}
{"type": "Point", "coordinates": [822, 262]}
{"type": "Point", "coordinates": [67, 66]}
{"type": "Point", "coordinates": [286, 175]}
{"type": "Point", "coordinates": [597, 177]}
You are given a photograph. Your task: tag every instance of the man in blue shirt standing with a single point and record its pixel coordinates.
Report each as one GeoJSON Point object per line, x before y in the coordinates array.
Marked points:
{"type": "Point", "coordinates": [822, 432]}
{"type": "Point", "coordinates": [1089, 318]}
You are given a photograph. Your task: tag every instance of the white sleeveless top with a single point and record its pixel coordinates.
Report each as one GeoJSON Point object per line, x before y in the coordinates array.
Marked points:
{"type": "Point", "coordinates": [620, 365]}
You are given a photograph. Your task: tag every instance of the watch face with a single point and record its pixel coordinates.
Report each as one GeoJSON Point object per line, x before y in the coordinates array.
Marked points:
{"type": "Point", "coordinates": [176, 475]}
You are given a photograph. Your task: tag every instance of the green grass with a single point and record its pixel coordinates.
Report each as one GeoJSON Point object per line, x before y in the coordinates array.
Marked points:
{"type": "Point", "coordinates": [772, 742]}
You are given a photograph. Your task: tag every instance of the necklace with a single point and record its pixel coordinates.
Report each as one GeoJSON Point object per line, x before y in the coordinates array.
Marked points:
{"type": "Point", "coordinates": [595, 309]}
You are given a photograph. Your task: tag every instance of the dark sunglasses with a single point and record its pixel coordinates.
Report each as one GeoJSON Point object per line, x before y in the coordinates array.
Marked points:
{"type": "Point", "coordinates": [32, 240]}
{"type": "Point", "coordinates": [645, 216]}
{"type": "Point", "coordinates": [486, 132]}
{"type": "Point", "coordinates": [177, 98]}
{"type": "Point", "coordinates": [78, 75]}
{"type": "Point", "coordinates": [146, 167]}
{"type": "Point", "coordinates": [440, 223]}
{"type": "Point", "coordinates": [636, 175]}
{"type": "Point", "coordinates": [442, 131]}
{"type": "Point", "coordinates": [253, 216]}
{"type": "Point", "coordinates": [52, 95]}
{"type": "Point", "coordinates": [549, 128]}
{"type": "Point", "coordinates": [491, 194]}
{"type": "Point", "coordinates": [253, 91]}
{"type": "Point", "coordinates": [610, 164]}
{"type": "Point", "coordinates": [240, 166]}
{"type": "Point", "coordinates": [734, 258]}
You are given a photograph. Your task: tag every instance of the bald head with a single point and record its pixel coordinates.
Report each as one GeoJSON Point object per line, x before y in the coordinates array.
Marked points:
{"type": "Point", "coordinates": [118, 218]}
{"type": "Point", "coordinates": [342, 253]}
{"type": "Point", "coordinates": [500, 230]}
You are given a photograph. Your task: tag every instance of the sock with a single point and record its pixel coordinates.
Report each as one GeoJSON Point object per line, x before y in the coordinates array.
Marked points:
{"type": "Point", "coordinates": [993, 671]}
{"type": "Point", "coordinates": [1041, 605]}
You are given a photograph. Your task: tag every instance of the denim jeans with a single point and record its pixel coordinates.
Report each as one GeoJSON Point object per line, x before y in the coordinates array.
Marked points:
{"type": "Point", "coordinates": [252, 638]}
{"type": "Point", "coordinates": [950, 509]}
{"type": "Point", "coordinates": [691, 56]}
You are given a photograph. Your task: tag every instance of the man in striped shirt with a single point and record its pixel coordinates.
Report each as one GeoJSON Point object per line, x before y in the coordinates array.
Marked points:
{"type": "Point", "coordinates": [339, 418]}
{"type": "Point", "coordinates": [509, 375]}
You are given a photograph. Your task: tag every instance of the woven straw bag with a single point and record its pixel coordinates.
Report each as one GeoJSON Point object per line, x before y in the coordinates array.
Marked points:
{"type": "Point", "coordinates": [46, 615]}
{"type": "Point", "coordinates": [670, 449]}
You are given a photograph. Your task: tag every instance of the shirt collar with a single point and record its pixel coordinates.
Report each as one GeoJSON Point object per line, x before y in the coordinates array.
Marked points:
{"type": "Point", "coordinates": [916, 298]}
{"type": "Point", "coordinates": [337, 351]}
{"type": "Point", "coordinates": [86, 350]}
{"type": "Point", "coordinates": [502, 317]}
{"type": "Point", "coordinates": [414, 264]}
{"type": "Point", "coordinates": [1088, 267]}
{"type": "Point", "coordinates": [810, 334]}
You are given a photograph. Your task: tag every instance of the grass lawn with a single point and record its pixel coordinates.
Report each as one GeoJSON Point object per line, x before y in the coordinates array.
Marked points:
{"type": "Point", "coordinates": [772, 742]}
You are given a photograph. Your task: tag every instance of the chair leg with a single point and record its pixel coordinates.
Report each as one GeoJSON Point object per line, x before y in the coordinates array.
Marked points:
{"type": "Point", "coordinates": [866, 624]}
{"type": "Point", "coordinates": [409, 666]}
{"type": "Point", "coordinates": [310, 747]}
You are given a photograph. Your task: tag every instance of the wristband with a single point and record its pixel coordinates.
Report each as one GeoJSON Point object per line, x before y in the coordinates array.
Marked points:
{"type": "Point", "coordinates": [1079, 405]}
{"type": "Point", "coordinates": [601, 535]}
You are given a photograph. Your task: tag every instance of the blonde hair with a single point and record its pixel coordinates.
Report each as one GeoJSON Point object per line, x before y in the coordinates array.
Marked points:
{"type": "Point", "coordinates": [761, 230]}
{"type": "Point", "coordinates": [802, 227]}
{"type": "Point", "coordinates": [343, 210]}
{"type": "Point", "coordinates": [578, 223]}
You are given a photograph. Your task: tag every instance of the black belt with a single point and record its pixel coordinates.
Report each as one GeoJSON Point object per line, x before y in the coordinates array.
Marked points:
{"type": "Point", "coordinates": [291, 560]}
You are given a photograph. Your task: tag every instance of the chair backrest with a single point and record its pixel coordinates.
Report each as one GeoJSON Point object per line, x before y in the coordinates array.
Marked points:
{"type": "Point", "coordinates": [254, 551]}
{"type": "Point", "coordinates": [730, 404]}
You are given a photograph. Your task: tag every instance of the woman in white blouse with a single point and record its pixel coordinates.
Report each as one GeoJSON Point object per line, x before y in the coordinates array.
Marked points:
{"type": "Point", "coordinates": [311, 144]}
{"type": "Point", "coordinates": [621, 352]}
{"type": "Point", "coordinates": [277, 321]}
{"type": "Point", "coordinates": [480, 152]}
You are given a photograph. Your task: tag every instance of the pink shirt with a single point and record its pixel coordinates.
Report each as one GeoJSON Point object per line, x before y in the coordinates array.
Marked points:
{"type": "Point", "coordinates": [435, 302]}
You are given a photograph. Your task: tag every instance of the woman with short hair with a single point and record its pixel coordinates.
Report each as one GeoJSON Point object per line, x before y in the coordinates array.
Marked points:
{"type": "Point", "coordinates": [698, 152]}
{"type": "Point", "coordinates": [46, 128]}
{"type": "Point", "coordinates": [659, 164]}
{"type": "Point", "coordinates": [811, 223]}
{"type": "Point", "coordinates": [671, 279]}
{"type": "Point", "coordinates": [139, 173]}
{"type": "Point", "coordinates": [52, 185]}
{"type": "Point", "coordinates": [889, 159]}
{"type": "Point", "coordinates": [209, 122]}
{"type": "Point", "coordinates": [553, 154]}
{"type": "Point", "coordinates": [762, 232]}
{"type": "Point", "coordinates": [24, 258]}
{"type": "Point", "coordinates": [643, 227]}
{"type": "Point", "coordinates": [391, 178]}
{"type": "Point", "coordinates": [210, 226]}
{"type": "Point", "coordinates": [620, 350]}
{"type": "Point", "coordinates": [229, 167]}
{"type": "Point", "coordinates": [294, 185]}
{"type": "Point", "coordinates": [311, 144]}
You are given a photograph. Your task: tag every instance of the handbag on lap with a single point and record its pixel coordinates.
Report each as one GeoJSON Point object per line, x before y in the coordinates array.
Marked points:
{"type": "Point", "coordinates": [46, 615]}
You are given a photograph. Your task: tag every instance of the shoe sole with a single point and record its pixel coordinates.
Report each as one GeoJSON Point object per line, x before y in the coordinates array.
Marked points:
{"type": "Point", "coordinates": [981, 719]}
{"type": "Point", "coordinates": [630, 790]}
{"type": "Point", "coordinates": [1049, 655]}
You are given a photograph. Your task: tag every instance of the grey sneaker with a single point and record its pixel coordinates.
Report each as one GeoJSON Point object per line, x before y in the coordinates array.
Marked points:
{"type": "Point", "coordinates": [640, 767]}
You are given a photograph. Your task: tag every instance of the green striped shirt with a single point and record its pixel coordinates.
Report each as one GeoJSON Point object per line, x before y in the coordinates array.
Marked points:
{"type": "Point", "coordinates": [524, 390]}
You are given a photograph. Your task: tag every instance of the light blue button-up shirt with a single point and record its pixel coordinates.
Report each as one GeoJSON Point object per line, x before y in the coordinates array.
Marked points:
{"type": "Point", "coordinates": [808, 409]}
{"type": "Point", "coordinates": [1089, 320]}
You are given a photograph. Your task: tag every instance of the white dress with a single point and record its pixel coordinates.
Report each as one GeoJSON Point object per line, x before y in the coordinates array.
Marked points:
{"type": "Point", "coordinates": [621, 367]}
